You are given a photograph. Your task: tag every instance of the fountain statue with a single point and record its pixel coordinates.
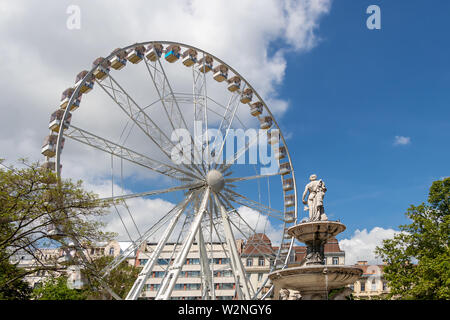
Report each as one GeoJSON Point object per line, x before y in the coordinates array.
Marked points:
{"type": "Point", "coordinates": [313, 279]}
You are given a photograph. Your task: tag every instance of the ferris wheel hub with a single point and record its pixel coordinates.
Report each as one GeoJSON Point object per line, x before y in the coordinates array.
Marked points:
{"type": "Point", "coordinates": [215, 180]}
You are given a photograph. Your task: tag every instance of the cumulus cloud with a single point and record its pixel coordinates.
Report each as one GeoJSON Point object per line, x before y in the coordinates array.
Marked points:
{"type": "Point", "coordinates": [41, 58]}
{"type": "Point", "coordinates": [261, 224]}
{"type": "Point", "coordinates": [402, 141]}
{"type": "Point", "coordinates": [362, 244]}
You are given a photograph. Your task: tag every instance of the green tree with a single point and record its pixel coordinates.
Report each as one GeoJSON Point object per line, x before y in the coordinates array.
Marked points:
{"type": "Point", "coordinates": [17, 289]}
{"type": "Point", "coordinates": [120, 279]}
{"type": "Point", "coordinates": [418, 259]}
{"type": "Point", "coordinates": [32, 203]}
{"type": "Point", "coordinates": [56, 289]}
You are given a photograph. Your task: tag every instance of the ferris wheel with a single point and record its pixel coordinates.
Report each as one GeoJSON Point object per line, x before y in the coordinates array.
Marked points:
{"type": "Point", "coordinates": [163, 93]}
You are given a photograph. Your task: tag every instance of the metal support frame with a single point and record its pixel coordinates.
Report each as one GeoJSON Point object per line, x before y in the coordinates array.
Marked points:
{"type": "Point", "coordinates": [170, 106]}
{"type": "Point", "coordinates": [148, 267]}
{"type": "Point", "coordinates": [208, 292]}
{"type": "Point", "coordinates": [241, 281]}
{"type": "Point", "coordinates": [169, 280]}
{"type": "Point", "coordinates": [122, 152]}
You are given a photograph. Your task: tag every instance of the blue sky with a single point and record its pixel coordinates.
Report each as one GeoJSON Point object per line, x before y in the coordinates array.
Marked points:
{"type": "Point", "coordinates": [355, 92]}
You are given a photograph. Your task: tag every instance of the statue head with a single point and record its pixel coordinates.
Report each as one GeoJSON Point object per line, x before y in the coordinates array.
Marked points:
{"type": "Point", "coordinates": [312, 177]}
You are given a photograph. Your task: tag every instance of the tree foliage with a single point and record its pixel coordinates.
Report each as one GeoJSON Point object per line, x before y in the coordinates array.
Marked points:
{"type": "Point", "coordinates": [14, 290]}
{"type": "Point", "coordinates": [33, 202]}
{"type": "Point", "coordinates": [418, 259]}
{"type": "Point", "coordinates": [57, 289]}
{"type": "Point", "coordinates": [120, 279]}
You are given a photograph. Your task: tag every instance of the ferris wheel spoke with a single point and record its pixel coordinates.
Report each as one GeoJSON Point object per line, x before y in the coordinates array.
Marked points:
{"type": "Point", "coordinates": [230, 161]}
{"type": "Point", "coordinates": [255, 205]}
{"type": "Point", "coordinates": [190, 186]}
{"type": "Point", "coordinates": [199, 96]}
{"type": "Point", "coordinates": [140, 118]}
{"type": "Point", "coordinates": [226, 122]}
{"type": "Point", "coordinates": [256, 245]}
{"type": "Point", "coordinates": [148, 267]}
{"type": "Point", "coordinates": [207, 277]}
{"type": "Point", "coordinates": [122, 152]}
{"type": "Point", "coordinates": [169, 280]}
{"type": "Point", "coordinates": [180, 207]}
{"type": "Point", "coordinates": [168, 99]}
{"type": "Point", "coordinates": [228, 256]}
{"type": "Point", "coordinates": [251, 177]}
{"type": "Point", "coordinates": [233, 252]}
{"type": "Point", "coordinates": [225, 108]}
{"type": "Point", "coordinates": [251, 231]}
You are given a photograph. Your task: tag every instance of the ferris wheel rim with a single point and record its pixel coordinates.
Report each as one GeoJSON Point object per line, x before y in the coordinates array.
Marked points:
{"type": "Point", "coordinates": [215, 58]}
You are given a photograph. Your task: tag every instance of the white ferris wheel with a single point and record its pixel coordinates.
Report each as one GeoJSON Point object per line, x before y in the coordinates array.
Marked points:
{"type": "Point", "coordinates": [165, 88]}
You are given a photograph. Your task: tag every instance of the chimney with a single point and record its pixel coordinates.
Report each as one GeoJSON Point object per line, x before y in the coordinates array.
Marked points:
{"type": "Point", "coordinates": [362, 263]}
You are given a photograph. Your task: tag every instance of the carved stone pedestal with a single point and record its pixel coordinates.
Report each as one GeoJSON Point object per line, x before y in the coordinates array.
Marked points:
{"type": "Point", "coordinates": [313, 279]}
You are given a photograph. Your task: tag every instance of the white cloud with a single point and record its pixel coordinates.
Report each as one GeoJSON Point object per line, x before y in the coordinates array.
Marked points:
{"type": "Point", "coordinates": [41, 58]}
{"type": "Point", "coordinates": [402, 141]}
{"type": "Point", "coordinates": [362, 244]}
{"type": "Point", "coordinates": [261, 224]}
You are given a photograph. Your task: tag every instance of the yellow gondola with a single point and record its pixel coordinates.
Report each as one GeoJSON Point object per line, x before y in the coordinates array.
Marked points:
{"type": "Point", "coordinates": [119, 60]}
{"type": "Point", "coordinates": [205, 64]}
{"type": "Point", "coordinates": [189, 57]}
{"type": "Point", "coordinates": [49, 147]}
{"type": "Point", "coordinates": [172, 53]}
{"type": "Point", "coordinates": [102, 67]}
{"type": "Point", "coordinates": [136, 55]}
{"type": "Point", "coordinates": [220, 73]}
{"type": "Point", "coordinates": [265, 122]}
{"type": "Point", "coordinates": [87, 85]}
{"type": "Point", "coordinates": [65, 97]}
{"type": "Point", "coordinates": [154, 51]}
{"type": "Point", "coordinates": [247, 95]}
{"type": "Point", "coordinates": [280, 152]}
{"type": "Point", "coordinates": [234, 83]}
{"type": "Point", "coordinates": [56, 118]}
{"type": "Point", "coordinates": [285, 168]}
{"type": "Point", "coordinates": [288, 184]}
{"type": "Point", "coordinates": [256, 108]}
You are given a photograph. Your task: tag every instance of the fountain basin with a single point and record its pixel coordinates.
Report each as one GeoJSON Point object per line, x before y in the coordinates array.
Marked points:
{"type": "Point", "coordinates": [316, 230]}
{"type": "Point", "coordinates": [314, 282]}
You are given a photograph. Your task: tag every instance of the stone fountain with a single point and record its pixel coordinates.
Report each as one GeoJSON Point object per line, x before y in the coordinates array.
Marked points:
{"type": "Point", "coordinates": [312, 278]}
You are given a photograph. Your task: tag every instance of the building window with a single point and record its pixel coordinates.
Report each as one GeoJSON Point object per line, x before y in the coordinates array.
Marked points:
{"type": "Point", "coordinates": [363, 287]}
{"type": "Point", "coordinates": [374, 286]}
{"type": "Point", "coordinates": [384, 286]}
{"type": "Point", "coordinates": [163, 261]}
{"type": "Point", "coordinates": [261, 261]}
{"type": "Point", "coordinates": [158, 274]}
{"type": "Point", "coordinates": [352, 286]}
{"type": "Point", "coordinates": [335, 260]}
{"type": "Point", "coordinates": [260, 276]}
{"type": "Point", "coordinates": [249, 262]}
{"type": "Point", "coordinates": [111, 251]}
{"type": "Point", "coordinates": [224, 286]}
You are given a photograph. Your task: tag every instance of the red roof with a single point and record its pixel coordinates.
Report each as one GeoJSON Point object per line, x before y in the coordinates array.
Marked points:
{"type": "Point", "coordinates": [257, 245]}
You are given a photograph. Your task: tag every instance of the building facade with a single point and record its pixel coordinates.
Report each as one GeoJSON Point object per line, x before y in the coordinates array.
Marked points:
{"type": "Point", "coordinates": [372, 284]}
{"type": "Point", "coordinates": [54, 257]}
{"type": "Point", "coordinates": [257, 256]}
{"type": "Point", "coordinates": [189, 282]}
